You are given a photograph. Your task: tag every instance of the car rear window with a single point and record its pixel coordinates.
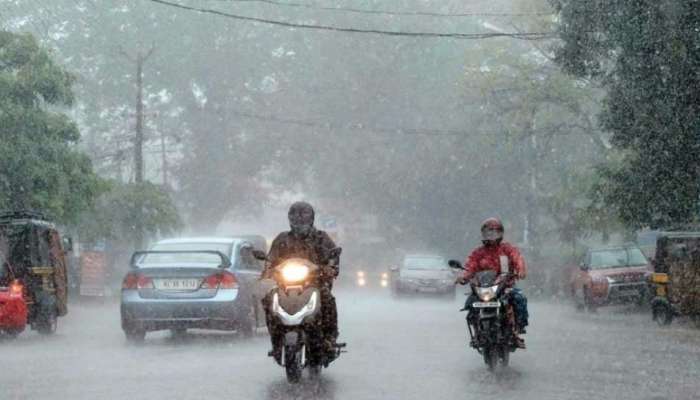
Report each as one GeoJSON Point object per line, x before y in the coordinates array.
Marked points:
{"type": "Point", "coordinates": [614, 258]}
{"type": "Point", "coordinates": [187, 258]}
{"type": "Point", "coordinates": [425, 263]}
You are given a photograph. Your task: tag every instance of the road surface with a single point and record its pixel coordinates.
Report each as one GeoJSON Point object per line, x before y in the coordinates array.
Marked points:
{"type": "Point", "coordinates": [398, 349]}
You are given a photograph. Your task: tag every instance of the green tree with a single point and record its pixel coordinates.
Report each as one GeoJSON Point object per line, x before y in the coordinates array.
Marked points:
{"type": "Point", "coordinates": [40, 168]}
{"type": "Point", "coordinates": [647, 55]}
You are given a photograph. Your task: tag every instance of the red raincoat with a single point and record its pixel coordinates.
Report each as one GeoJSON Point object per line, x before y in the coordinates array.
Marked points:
{"type": "Point", "coordinates": [500, 258]}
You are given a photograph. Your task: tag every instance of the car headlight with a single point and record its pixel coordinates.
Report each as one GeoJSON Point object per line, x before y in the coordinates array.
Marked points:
{"type": "Point", "coordinates": [611, 280]}
{"type": "Point", "coordinates": [294, 272]}
{"type": "Point", "coordinates": [487, 294]}
{"type": "Point", "coordinates": [385, 275]}
{"type": "Point", "coordinates": [360, 274]}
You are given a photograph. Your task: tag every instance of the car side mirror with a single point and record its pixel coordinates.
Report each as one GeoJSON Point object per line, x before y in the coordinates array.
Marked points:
{"type": "Point", "coordinates": [393, 268]}
{"type": "Point", "coordinates": [259, 255]}
{"type": "Point", "coordinates": [67, 244]}
{"type": "Point", "coordinates": [455, 264]}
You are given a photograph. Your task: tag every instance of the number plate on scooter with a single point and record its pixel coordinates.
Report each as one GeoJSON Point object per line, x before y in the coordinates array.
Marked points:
{"type": "Point", "coordinates": [486, 304]}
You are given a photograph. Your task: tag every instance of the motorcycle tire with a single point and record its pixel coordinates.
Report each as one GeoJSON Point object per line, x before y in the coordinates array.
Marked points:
{"type": "Point", "coordinates": [662, 315]}
{"type": "Point", "coordinates": [292, 364]}
{"type": "Point", "coordinates": [490, 358]}
{"type": "Point", "coordinates": [47, 322]}
{"type": "Point", "coordinates": [504, 355]}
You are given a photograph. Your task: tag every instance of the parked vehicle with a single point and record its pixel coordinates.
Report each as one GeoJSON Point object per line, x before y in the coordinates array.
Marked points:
{"type": "Point", "coordinates": [609, 275]}
{"type": "Point", "coordinates": [676, 277]}
{"type": "Point", "coordinates": [37, 263]}
{"type": "Point", "coordinates": [296, 306]}
{"type": "Point", "coordinates": [423, 273]}
{"type": "Point", "coordinates": [492, 328]}
{"type": "Point", "coordinates": [204, 282]}
{"type": "Point", "coordinates": [13, 308]}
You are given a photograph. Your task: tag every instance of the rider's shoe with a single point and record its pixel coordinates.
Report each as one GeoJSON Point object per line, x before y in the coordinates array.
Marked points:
{"type": "Point", "coordinates": [519, 342]}
{"type": "Point", "coordinates": [276, 354]}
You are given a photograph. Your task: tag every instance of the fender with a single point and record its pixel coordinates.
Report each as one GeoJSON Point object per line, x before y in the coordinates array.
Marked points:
{"type": "Point", "coordinates": [291, 338]}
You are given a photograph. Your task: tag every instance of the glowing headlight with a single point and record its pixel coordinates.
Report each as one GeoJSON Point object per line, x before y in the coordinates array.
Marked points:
{"type": "Point", "coordinates": [295, 272]}
{"type": "Point", "coordinates": [384, 283]}
{"type": "Point", "coordinates": [385, 275]}
{"type": "Point", "coordinates": [360, 274]}
{"type": "Point", "coordinates": [487, 294]}
{"type": "Point", "coordinates": [361, 281]}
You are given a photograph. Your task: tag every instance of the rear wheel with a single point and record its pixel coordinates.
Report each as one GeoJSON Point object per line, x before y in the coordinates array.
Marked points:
{"type": "Point", "coordinates": [12, 333]}
{"type": "Point", "coordinates": [248, 323]}
{"type": "Point", "coordinates": [292, 364]}
{"type": "Point", "coordinates": [135, 335]}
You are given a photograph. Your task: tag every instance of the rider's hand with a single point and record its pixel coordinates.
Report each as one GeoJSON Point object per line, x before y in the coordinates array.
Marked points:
{"type": "Point", "coordinates": [460, 280]}
{"type": "Point", "coordinates": [521, 275]}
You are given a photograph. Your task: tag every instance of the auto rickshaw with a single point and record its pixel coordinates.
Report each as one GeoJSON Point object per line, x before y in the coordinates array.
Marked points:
{"type": "Point", "coordinates": [676, 277]}
{"type": "Point", "coordinates": [13, 309]}
{"type": "Point", "coordinates": [35, 259]}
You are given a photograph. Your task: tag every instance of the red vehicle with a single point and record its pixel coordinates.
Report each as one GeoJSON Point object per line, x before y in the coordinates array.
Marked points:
{"type": "Point", "coordinates": [13, 308]}
{"type": "Point", "coordinates": [610, 275]}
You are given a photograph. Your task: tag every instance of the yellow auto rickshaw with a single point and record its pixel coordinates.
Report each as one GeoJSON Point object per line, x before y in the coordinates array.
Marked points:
{"type": "Point", "coordinates": [676, 277]}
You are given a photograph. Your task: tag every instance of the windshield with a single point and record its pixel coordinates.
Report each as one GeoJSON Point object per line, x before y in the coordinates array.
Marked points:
{"type": "Point", "coordinates": [613, 258]}
{"type": "Point", "coordinates": [425, 263]}
{"type": "Point", "coordinates": [187, 258]}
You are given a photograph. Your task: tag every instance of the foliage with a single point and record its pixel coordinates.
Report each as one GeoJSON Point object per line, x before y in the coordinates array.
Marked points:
{"type": "Point", "coordinates": [40, 167]}
{"type": "Point", "coordinates": [647, 55]}
{"type": "Point", "coordinates": [116, 217]}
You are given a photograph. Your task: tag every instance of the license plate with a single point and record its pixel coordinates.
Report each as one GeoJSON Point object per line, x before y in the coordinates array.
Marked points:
{"type": "Point", "coordinates": [427, 289]}
{"type": "Point", "coordinates": [176, 284]}
{"type": "Point", "coordinates": [486, 304]}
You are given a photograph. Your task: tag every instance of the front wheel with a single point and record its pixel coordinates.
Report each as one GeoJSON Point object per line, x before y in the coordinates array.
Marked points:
{"type": "Point", "coordinates": [292, 364]}
{"type": "Point", "coordinates": [47, 323]}
{"type": "Point", "coordinates": [662, 315]}
{"type": "Point", "coordinates": [490, 358]}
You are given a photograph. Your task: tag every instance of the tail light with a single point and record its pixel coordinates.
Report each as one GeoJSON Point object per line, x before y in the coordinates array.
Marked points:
{"type": "Point", "coordinates": [134, 280]}
{"type": "Point", "coordinates": [220, 280]}
{"type": "Point", "coordinates": [16, 289]}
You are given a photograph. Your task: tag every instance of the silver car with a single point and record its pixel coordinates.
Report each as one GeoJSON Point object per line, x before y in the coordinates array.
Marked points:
{"type": "Point", "coordinates": [423, 273]}
{"type": "Point", "coordinates": [203, 282]}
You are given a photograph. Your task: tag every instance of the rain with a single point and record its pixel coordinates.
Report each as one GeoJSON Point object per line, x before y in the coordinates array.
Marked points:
{"type": "Point", "coordinates": [468, 163]}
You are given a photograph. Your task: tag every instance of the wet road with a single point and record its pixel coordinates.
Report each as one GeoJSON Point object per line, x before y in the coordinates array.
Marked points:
{"type": "Point", "coordinates": [409, 349]}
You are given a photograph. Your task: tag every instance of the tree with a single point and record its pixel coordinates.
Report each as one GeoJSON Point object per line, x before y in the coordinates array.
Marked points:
{"type": "Point", "coordinates": [647, 56]}
{"type": "Point", "coordinates": [40, 168]}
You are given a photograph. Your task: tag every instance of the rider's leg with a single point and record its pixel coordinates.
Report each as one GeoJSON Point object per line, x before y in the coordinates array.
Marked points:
{"type": "Point", "coordinates": [276, 339]}
{"type": "Point", "coordinates": [520, 308]}
{"type": "Point", "coordinates": [471, 316]}
{"type": "Point", "coordinates": [329, 315]}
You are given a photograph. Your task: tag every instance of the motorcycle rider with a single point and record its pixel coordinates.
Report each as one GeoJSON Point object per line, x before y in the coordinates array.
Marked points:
{"type": "Point", "coordinates": [498, 256]}
{"type": "Point", "coordinates": [303, 240]}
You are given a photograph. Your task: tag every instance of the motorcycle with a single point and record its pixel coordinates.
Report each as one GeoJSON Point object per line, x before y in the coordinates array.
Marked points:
{"type": "Point", "coordinates": [295, 307]}
{"type": "Point", "coordinates": [491, 319]}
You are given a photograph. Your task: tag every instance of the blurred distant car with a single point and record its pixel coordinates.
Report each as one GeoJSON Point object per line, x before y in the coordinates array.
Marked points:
{"type": "Point", "coordinates": [203, 282]}
{"type": "Point", "coordinates": [372, 279]}
{"type": "Point", "coordinates": [611, 275]}
{"type": "Point", "coordinates": [421, 273]}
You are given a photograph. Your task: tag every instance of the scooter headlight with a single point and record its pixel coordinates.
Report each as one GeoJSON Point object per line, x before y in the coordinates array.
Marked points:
{"type": "Point", "coordinates": [487, 294]}
{"type": "Point", "coordinates": [293, 272]}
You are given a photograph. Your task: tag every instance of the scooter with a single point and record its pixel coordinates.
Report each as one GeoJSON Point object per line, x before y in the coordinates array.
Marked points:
{"type": "Point", "coordinates": [295, 307]}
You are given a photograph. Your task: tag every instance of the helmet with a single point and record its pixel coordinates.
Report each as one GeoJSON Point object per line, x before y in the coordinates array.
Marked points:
{"type": "Point", "coordinates": [301, 218]}
{"type": "Point", "coordinates": [492, 230]}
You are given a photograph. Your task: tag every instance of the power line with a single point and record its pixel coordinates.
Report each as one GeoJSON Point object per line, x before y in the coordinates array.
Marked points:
{"type": "Point", "coordinates": [523, 35]}
{"type": "Point", "coordinates": [333, 126]}
{"type": "Point", "coordinates": [387, 12]}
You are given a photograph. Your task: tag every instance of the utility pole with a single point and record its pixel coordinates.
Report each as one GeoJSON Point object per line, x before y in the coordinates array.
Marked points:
{"type": "Point", "coordinates": [140, 59]}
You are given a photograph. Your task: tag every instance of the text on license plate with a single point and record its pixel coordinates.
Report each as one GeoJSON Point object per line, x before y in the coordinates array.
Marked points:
{"type": "Point", "coordinates": [486, 304]}
{"type": "Point", "coordinates": [176, 284]}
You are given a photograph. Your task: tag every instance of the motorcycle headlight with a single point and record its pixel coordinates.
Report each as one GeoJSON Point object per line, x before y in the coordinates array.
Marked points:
{"type": "Point", "coordinates": [294, 272]}
{"type": "Point", "coordinates": [487, 294]}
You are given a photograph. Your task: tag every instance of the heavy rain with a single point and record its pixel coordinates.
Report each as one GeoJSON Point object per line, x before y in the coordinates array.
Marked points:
{"type": "Point", "coordinates": [352, 199]}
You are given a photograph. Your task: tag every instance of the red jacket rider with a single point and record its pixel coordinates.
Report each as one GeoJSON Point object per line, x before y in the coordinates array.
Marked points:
{"type": "Point", "coordinates": [495, 254]}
